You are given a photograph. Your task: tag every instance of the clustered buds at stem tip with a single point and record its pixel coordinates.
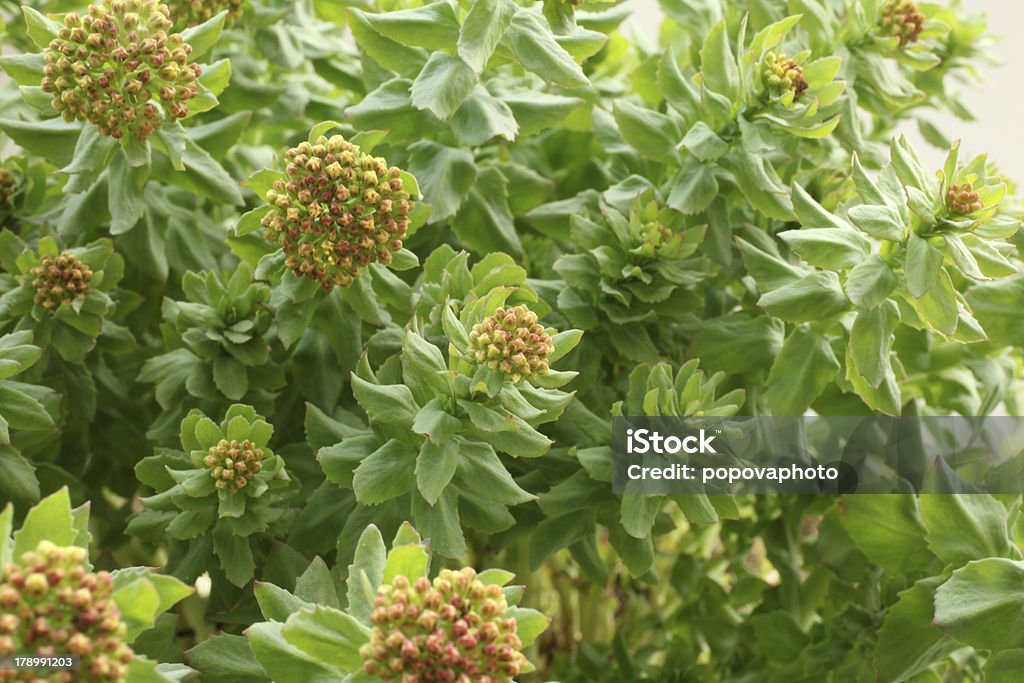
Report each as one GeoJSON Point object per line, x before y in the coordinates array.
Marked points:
{"type": "Point", "coordinates": [454, 629]}
{"type": "Point", "coordinates": [60, 279]}
{"type": "Point", "coordinates": [783, 75]}
{"type": "Point", "coordinates": [6, 185]}
{"type": "Point", "coordinates": [118, 68]}
{"type": "Point", "coordinates": [51, 605]}
{"type": "Point", "coordinates": [338, 211]}
{"type": "Point", "coordinates": [512, 341]}
{"type": "Point", "coordinates": [901, 18]}
{"type": "Point", "coordinates": [963, 199]}
{"type": "Point", "coordinates": [234, 463]}
{"type": "Point", "coordinates": [186, 13]}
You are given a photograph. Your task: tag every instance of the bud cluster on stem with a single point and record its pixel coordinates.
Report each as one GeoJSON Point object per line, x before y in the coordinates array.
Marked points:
{"type": "Point", "coordinates": [963, 199]}
{"type": "Point", "coordinates": [233, 463]}
{"type": "Point", "coordinates": [783, 74]}
{"type": "Point", "coordinates": [60, 279]}
{"type": "Point", "coordinates": [51, 605]}
{"type": "Point", "coordinates": [454, 629]}
{"type": "Point", "coordinates": [512, 341]}
{"type": "Point", "coordinates": [118, 68]}
{"type": "Point", "coordinates": [338, 211]}
{"type": "Point", "coordinates": [186, 13]}
{"type": "Point", "coordinates": [902, 18]}
{"type": "Point", "coordinates": [7, 184]}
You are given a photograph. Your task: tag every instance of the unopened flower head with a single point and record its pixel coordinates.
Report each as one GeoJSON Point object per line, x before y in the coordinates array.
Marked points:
{"type": "Point", "coordinates": [337, 211]}
{"type": "Point", "coordinates": [901, 18]}
{"type": "Point", "coordinates": [7, 186]}
{"type": "Point", "coordinates": [50, 604]}
{"type": "Point", "coordinates": [454, 628]}
{"type": "Point", "coordinates": [782, 74]}
{"type": "Point", "coordinates": [186, 13]}
{"type": "Point", "coordinates": [233, 463]}
{"type": "Point", "coordinates": [512, 341]}
{"type": "Point", "coordinates": [963, 199]}
{"type": "Point", "coordinates": [118, 67]}
{"type": "Point", "coordinates": [60, 280]}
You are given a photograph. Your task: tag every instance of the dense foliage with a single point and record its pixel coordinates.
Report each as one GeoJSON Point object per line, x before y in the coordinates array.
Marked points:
{"type": "Point", "coordinates": [282, 279]}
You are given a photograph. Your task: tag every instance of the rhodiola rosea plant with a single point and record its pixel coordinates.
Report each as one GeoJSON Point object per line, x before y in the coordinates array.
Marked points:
{"type": "Point", "coordinates": [283, 280]}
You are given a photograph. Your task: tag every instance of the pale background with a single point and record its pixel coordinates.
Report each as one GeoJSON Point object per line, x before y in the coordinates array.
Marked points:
{"type": "Point", "coordinates": [998, 103]}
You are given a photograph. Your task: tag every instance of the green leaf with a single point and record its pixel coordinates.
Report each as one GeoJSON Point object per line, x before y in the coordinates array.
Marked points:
{"type": "Point", "coordinates": [366, 573]}
{"type": "Point", "coordinates": [529, 623]}
{"type": "Point", "coordinates": [485, 222]}
{"type": "Point", "coordinates": [410, 561]}
{"type": "Point", "coordinates": [388, 403]}
{"type": "Point", "coordinates": [440, 523]}
{"type": "Point", "coordinates": [888, 529]}
{"type": "Point", "coordinates": [231, 377]}
{"type": "Point", "coordinates": [1004, 667]}
{"type": "Point", "coordinates": [535, 47]}
{"type": "Point", "coordinates": [906, 643]}
{"type": "Point", "coordinates": [276, 603]}
{"type": "Point", "coordinates": [878, 221]}
{"type": "Point", "coordinates": [435, 467]}
{"type": "Point", "coordinates": [433, 26]}
{"type": "Point", "coordinates": [718, 65]}
{"type": "Point", "coordinates": [40, 29]}
{"type": "Point", "coordinates": [704, 143]}
{"type": "Point", "coordinates": [434, 422]}
{"type": "Point", "coordinates": [443, 84]}
{"type": "Point", "coordinates": [24, 69]}
{"type": "Point", "coordinates": [651, 133]}
{"type": "Point", "coordinates": [871, 343]}
{"type": "Point", "coordinates": [922, 265]}
{"type": "Point", "coordinates": [831, 248]}
{"type": "Point", "coordinates": [204, 36]}
{"type": "Point", "coordinates": [22, 411]}
{"type": "Point", "coordinates": [235, 555]}
{"type": "Point", "coordinates": [328, 635]}
{"type": "Point", "coordinates": [18, 483]}
{"type": "Point", "coordinates": [870, 282]}
{"type": "Point", "coordinates": [482, 29]}
{"type": "Point", "coordinates": [802, 370]}
{"type": "Point", "coordinates": [391, 54]}
{"type": "Point", "coordinates": [938, 307]}
{"type": "Point", "coordinates": [483, 116]}
{"type": "Point", "coordinates": [226, 658]}
{"type": "Point", "coordinates": [283, 662]}
{"type": "Point", "coordinates": [693, 189]}
{"type": "Point", "coordinates": [982, 604]}
{"type": "Point", "coordinates": [138, 603]}
{"type": "Point", "coordinates": [446, 175]}
{"type": "Point", "coordinates": [813, 297]}
{"type": "Point", "coordinates": [49, 520]}
{"type": "Point", "coordinates": [385, 474]}
{"type": "Point", "coordinates": [962, 528]}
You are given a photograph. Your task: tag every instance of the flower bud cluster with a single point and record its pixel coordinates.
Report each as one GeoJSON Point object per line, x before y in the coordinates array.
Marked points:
{"type": "Point", "coordinates": [50, 605]}
{"type": "Point", "coordinates": [512, 341]}
{"type": "Point", "coordinates": [118, 68]}
{"type": "Point", "coordinates": [782, 74]}
{"type": "Point", "coordinates": [901, 18]}
{"type": "Point", "coordinates": [452, 629]}
{"type": "Point", "coordinates": [7, 184]}
{"type": "Point", "coordinates": [963, 199]}
{"type": "Point", "coordinates": [186, 13]}
{"type": "Point", "coordinates": [234, 463]}
{"type": "Point", "coordinates": [338, 211]}
{"type": "Point", "coordinates": [60, 279]}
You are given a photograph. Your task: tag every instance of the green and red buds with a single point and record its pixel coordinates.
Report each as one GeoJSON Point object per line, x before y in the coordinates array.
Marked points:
{"type": "Point", "coordinates": [452, 629]}
{"type": "Point", "coordinates": [233, 463]}
{"type": "Point", "coordinates": [118, 68]}
{"type": "Point", "coordinates": [337, 210]}
{"type": "Point", "coordinates": [783, 75]}
{"type": "Point", "coordinates": [7, 185]}
{"type": "Point", "coordinates": [60, 279]}
{"type": "Point", "coordinates": [901, 18]}
{"type": "Point", "coordinates": [964, 199]}
{"type": "Point", "coordinates": [512, 341]}
{"type": "Point", "coordinates": [186, 13]}
{"type": "Point", "coordinates": [50, 604]}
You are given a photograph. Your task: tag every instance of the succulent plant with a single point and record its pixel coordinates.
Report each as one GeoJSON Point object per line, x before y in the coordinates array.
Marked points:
{"type": "Point", "coordinates": [512, 341]}
{"type": "Point", "coordinates": [902, 19]}
{"type": "Point", "coordinates": [62, 295]}
{"type": "Point", "coordinates": [224, 483]}
{"type": "Point", "coordinates": [119, 68]}
{"type": "Point", "coordinates": [336, 210]}
{"type": "Point", "coordinates": [52, 602]}
{"type": "Point", "coordinates": [53, 605]}
{"type": "Point", "coordinates": [455, 628]}
{"type": "Point", "coordinates": [784, 76]}
{"type": "Point", "coordinates": [61, 279]}
{"type": "Point", "coordinates": [186, 13]}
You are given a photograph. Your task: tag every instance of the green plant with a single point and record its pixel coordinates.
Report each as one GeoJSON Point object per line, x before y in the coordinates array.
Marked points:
{"type": "Point", "coordinates": [283, 278]}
